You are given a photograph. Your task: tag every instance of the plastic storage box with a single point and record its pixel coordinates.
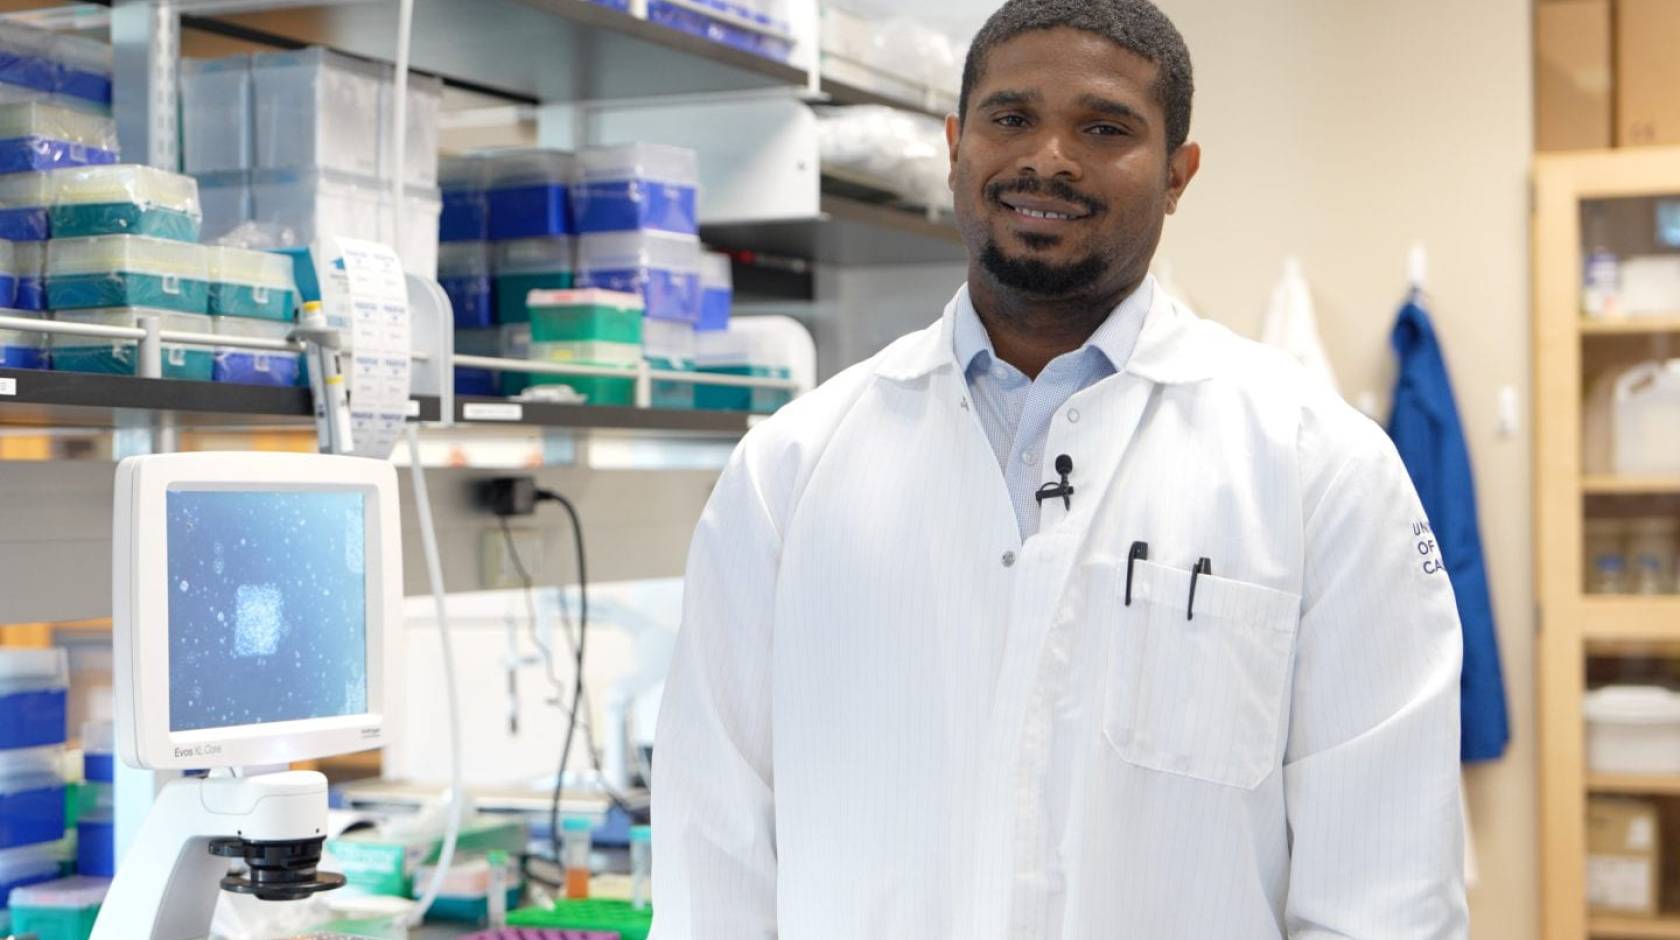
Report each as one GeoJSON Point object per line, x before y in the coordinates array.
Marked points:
{"type": "Point", "coordinates": [316, 109]}
{"type": "Point", "coordinates": [245, 283]}
{"type": "Point", "coordinates": [122, 356]}
{"type": "Point", "coordinates": [516, 344]}
{"type": "Point", "coordinates": [127, 271]}
{"type": "Point", "coordinates": [529, 192]}
{"type": "Point", "coordinates": [225, 199]}
{"type": "Point", "coordinates": [669, 345]}
{"type": "Point", "coordinates": [39, 136]}
{"type": "Point", "coordinates": [464, 273]}
{"type": "Point", "coordinates": [466, 206]}
{"type": "Point", "coordinates": [24, 201]}
{"type": "Point", "coordinates": [27, 65]}
{"type": "Point", "coordinates": [662, 267]}
{"type": "Point", "coordinates": [472, 380]}
{"type": "Point", "coordinates": [83, 69]}
{"type": "Point", "coordinates": [726, 24]}
{"type": "Point", "coordinates": [30, 261]}
{"type": "Point", "coordinates": [524, 265]}
{"type": "Point", "coordinates": [416, 239]}
{"type": "Point", "coordinates": [250, 366]}
{"type": "Point", "coordinates": [464, 895]}
{"type": "Point", "coordinates": [717, 291]}
{"type": "Point", "coordinates": [1646, 411]}
{"type": "Point", "coordinates": [216, 115]}
{"type": "Point", "coordinates": [31, 796]}
{"type": "Point", "coordinates": [420, 138]}
{"type": "Point", "coordinates": [125, 199]}
{"type": "Point", "coordinates": [1633, 729]}
{"type": "Point", "coordinates": [20, 349]}
{"type": "Point", "coordinates": [28, 865]}
{"type": "Point", "coordinates": [637, 186]}
{"type": "Point", "coordinates": [575, 316]}
{"type": "Point", "coordinates": [9, 274]}
{"type": "Point", "coordinates": [315, 203]}
{"type": "Point", "coordinates": [740, 350]}
{"type": "Point", "coordinates": [96, 851]}
{"type": "Point", "coordinates": [58, 910]}
{"type": "Point", "coordinates": [34, 685]}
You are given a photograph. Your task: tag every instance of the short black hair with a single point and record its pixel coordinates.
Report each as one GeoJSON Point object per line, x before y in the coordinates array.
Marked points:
{"type": "Point", "coordinates": [1137, 26]}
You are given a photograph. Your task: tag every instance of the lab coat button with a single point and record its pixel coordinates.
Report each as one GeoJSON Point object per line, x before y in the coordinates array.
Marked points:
{"type": "Point", "coordinates": [1073, 415]}
{"type": "Point", "coordinates": [1029, 458]}
{"type": "Point", "coordinates": [1009, 559]}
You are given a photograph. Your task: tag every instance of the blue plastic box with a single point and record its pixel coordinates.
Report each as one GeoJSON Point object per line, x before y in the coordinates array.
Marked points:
{"type": "Point", "coordinates": [255, 367]}
{"type": "Point", "coordinates": [717, 291]}
{"type": "Point", "coordinates": [725, 26]}
{"type": "Point", "coordinates": [529, 193]}
{"type": "Point", "coordinates": [663, 268]}
{"type": "Point", "coordinates": [20, 349]}
{"type": "Point", "coordinates": [637, 186]}
{"type": "Point", "coordinates": [24, 198]}
{"type": "Point", "coordinates": [33, 688]}
{"type": "Point", "coordinates": [30, 260]}
{"type": "Point", "coordinates": [31, 796]}
{"type": "Point", "coordinates": [464, 273]}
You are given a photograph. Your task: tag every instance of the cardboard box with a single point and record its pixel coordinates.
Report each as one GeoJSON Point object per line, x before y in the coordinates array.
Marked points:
{"type": "Point", "coordinates": [1624, 861]}
{"type": "Point", "coordinates": [1572, 75]}
{"type": "Point", "coordinates": [1647, 72]}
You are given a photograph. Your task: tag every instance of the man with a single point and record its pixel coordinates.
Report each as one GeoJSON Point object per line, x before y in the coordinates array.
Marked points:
{"type": "Point", "coordinates": [1071, 616]}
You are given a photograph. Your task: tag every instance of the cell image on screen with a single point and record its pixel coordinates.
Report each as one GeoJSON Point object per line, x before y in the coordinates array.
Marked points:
{"type": "Point", "coordinates": [267, 607]}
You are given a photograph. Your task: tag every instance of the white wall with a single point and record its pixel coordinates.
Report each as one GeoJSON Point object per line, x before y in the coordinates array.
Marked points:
{"type": "Point", "coordinates": [1340, 132]}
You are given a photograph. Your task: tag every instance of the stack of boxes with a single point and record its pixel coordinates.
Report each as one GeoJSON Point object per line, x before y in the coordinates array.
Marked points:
{"type": "Point", "coordinates": [125, 246]}
{"type": "Point", "coordinates": [37, 138]}
{"type": "Point", "coordinates": [33, 701]}
{"type": "Point", "coordinates": [302, 143]}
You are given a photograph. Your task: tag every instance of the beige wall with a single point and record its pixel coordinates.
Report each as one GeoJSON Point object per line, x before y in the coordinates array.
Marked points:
{"type": "Point", "coordinates": [1341, 132]}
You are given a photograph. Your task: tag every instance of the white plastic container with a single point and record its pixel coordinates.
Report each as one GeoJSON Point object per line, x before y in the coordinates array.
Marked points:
{"type": "Point", "coordinates": [420, 139]}
{"type": "Point", "coordinates": [225, 199]}
{"type": "Point", "coordinates": [1646, 418]}
{"type": "Point", "coordinates": [1633, 729]}
{"type": "Point", "coordinates": [316, 109]}
{"type": "Point", "coordinates": [216, 115]}
{"type": "Point", "coordinates": [310, 204]}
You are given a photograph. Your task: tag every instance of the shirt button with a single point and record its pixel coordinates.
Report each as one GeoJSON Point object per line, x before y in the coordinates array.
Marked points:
{"type": "Point", "coordinates": [1073, 415]}
{"type": "Point", "coordinates": [1029, 458]}
{"type": "Point", "coordinates": [1009, 559]}
{"type": "Point", "coordinates": [1000, 373]}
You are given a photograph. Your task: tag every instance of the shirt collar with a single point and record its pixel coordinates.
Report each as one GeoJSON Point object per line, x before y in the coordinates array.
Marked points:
{"type": "Point", "coordinates": [1174, 347]}
{"type": "Point", "coordinates": [1114, 339]}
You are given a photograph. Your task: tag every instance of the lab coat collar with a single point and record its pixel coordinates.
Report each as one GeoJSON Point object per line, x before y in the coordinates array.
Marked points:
{"type": "Point", "coordinates": [1175, 346]}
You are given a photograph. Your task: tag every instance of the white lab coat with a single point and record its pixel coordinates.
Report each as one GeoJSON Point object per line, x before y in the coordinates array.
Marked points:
{"type": "Point", "coordinates": [889, 717]}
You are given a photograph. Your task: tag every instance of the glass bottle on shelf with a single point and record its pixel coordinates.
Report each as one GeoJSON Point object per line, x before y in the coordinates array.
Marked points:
{"type": "Point", "coordinates": [1609, 575]}
{"type": "Point", "coordinates": [1601, 274]}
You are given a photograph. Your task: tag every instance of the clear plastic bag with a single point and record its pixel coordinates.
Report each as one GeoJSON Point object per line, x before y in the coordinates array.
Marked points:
{"type": "Point", "coordinates": [125, 199]}
{"type": "Point", "coordinates": [902, 152]}
{"type": "Point", "coordinates": [38, 136]}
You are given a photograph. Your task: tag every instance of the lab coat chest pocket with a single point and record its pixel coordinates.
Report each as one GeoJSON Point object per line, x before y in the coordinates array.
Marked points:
{"type": "Point", "coordinates": [1204, 697]}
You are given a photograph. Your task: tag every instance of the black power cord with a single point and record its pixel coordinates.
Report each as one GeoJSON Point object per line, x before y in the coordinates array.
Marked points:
{"type": "Point", "coordinates": [577, 678]}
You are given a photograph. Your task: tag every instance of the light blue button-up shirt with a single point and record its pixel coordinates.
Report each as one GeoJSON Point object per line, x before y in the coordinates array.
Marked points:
{"type": "Point", "coordinates": [1016, 411]}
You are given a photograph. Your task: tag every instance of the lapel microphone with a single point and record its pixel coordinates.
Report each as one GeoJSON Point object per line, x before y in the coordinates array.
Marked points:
{"type": "Point", "coordinates": [1062, 490]}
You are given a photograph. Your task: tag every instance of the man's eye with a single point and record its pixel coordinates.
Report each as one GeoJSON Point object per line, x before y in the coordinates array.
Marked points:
{"type": "Point", "coordinates": [1011, 120]}
{"type": "Point", "coordinates": [1108, 130]}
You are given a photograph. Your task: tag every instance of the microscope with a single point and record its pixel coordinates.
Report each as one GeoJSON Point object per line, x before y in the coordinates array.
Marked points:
{"type": "Point", "coordinates": [257, 605]}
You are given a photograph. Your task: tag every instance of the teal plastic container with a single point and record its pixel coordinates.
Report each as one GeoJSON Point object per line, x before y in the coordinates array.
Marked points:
{"type": "Point", "coordinates": [246, 283]}
{"type": "Point", "coordinates": [110, 271]}
{"type": "Point", "coordinates": [522, 265]}
{"type": "Point", "coordinates": [124, 199]}
{"type": "Point", "coordinates": [729, 398]}
{"type": "Point", "coordinates": [120, 218]}
{"type": "Point", "coordinates": [58, 910]}
{"type": "Point", "coordinates": [122, 357]}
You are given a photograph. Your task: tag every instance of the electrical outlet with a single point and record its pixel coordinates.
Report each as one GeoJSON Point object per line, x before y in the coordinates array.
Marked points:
{"type": "Point", "coordinates": [496, 568]}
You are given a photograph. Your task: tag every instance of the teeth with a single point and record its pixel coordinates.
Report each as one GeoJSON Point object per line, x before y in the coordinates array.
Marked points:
{"type": "Point", "coordinates": [1035, 214]}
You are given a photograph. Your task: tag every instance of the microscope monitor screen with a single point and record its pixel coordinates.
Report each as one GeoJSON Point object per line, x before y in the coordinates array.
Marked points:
{"type": "Point", "coordinates": [257, 608]}
{"type": "Point", "coordinates": [267, 621]}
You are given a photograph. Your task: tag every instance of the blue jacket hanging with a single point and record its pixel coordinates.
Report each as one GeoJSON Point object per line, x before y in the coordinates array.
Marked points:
{"type": "Point", "coordinates": [1425, 427]}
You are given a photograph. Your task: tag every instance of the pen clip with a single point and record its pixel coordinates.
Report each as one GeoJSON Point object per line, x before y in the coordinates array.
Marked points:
{"type": "Point", "coordinates": [1139, 550]}
{"type": "Point", "coordinates": [1203, 566]}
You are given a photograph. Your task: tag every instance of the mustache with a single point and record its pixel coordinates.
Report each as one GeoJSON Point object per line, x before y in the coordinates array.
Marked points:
{"type": "Point", "coordinates": [1055, 188]}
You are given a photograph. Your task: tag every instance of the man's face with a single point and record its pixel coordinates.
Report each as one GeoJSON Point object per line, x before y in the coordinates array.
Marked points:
{"type": "Point", "coordinates": [1060, 167]}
